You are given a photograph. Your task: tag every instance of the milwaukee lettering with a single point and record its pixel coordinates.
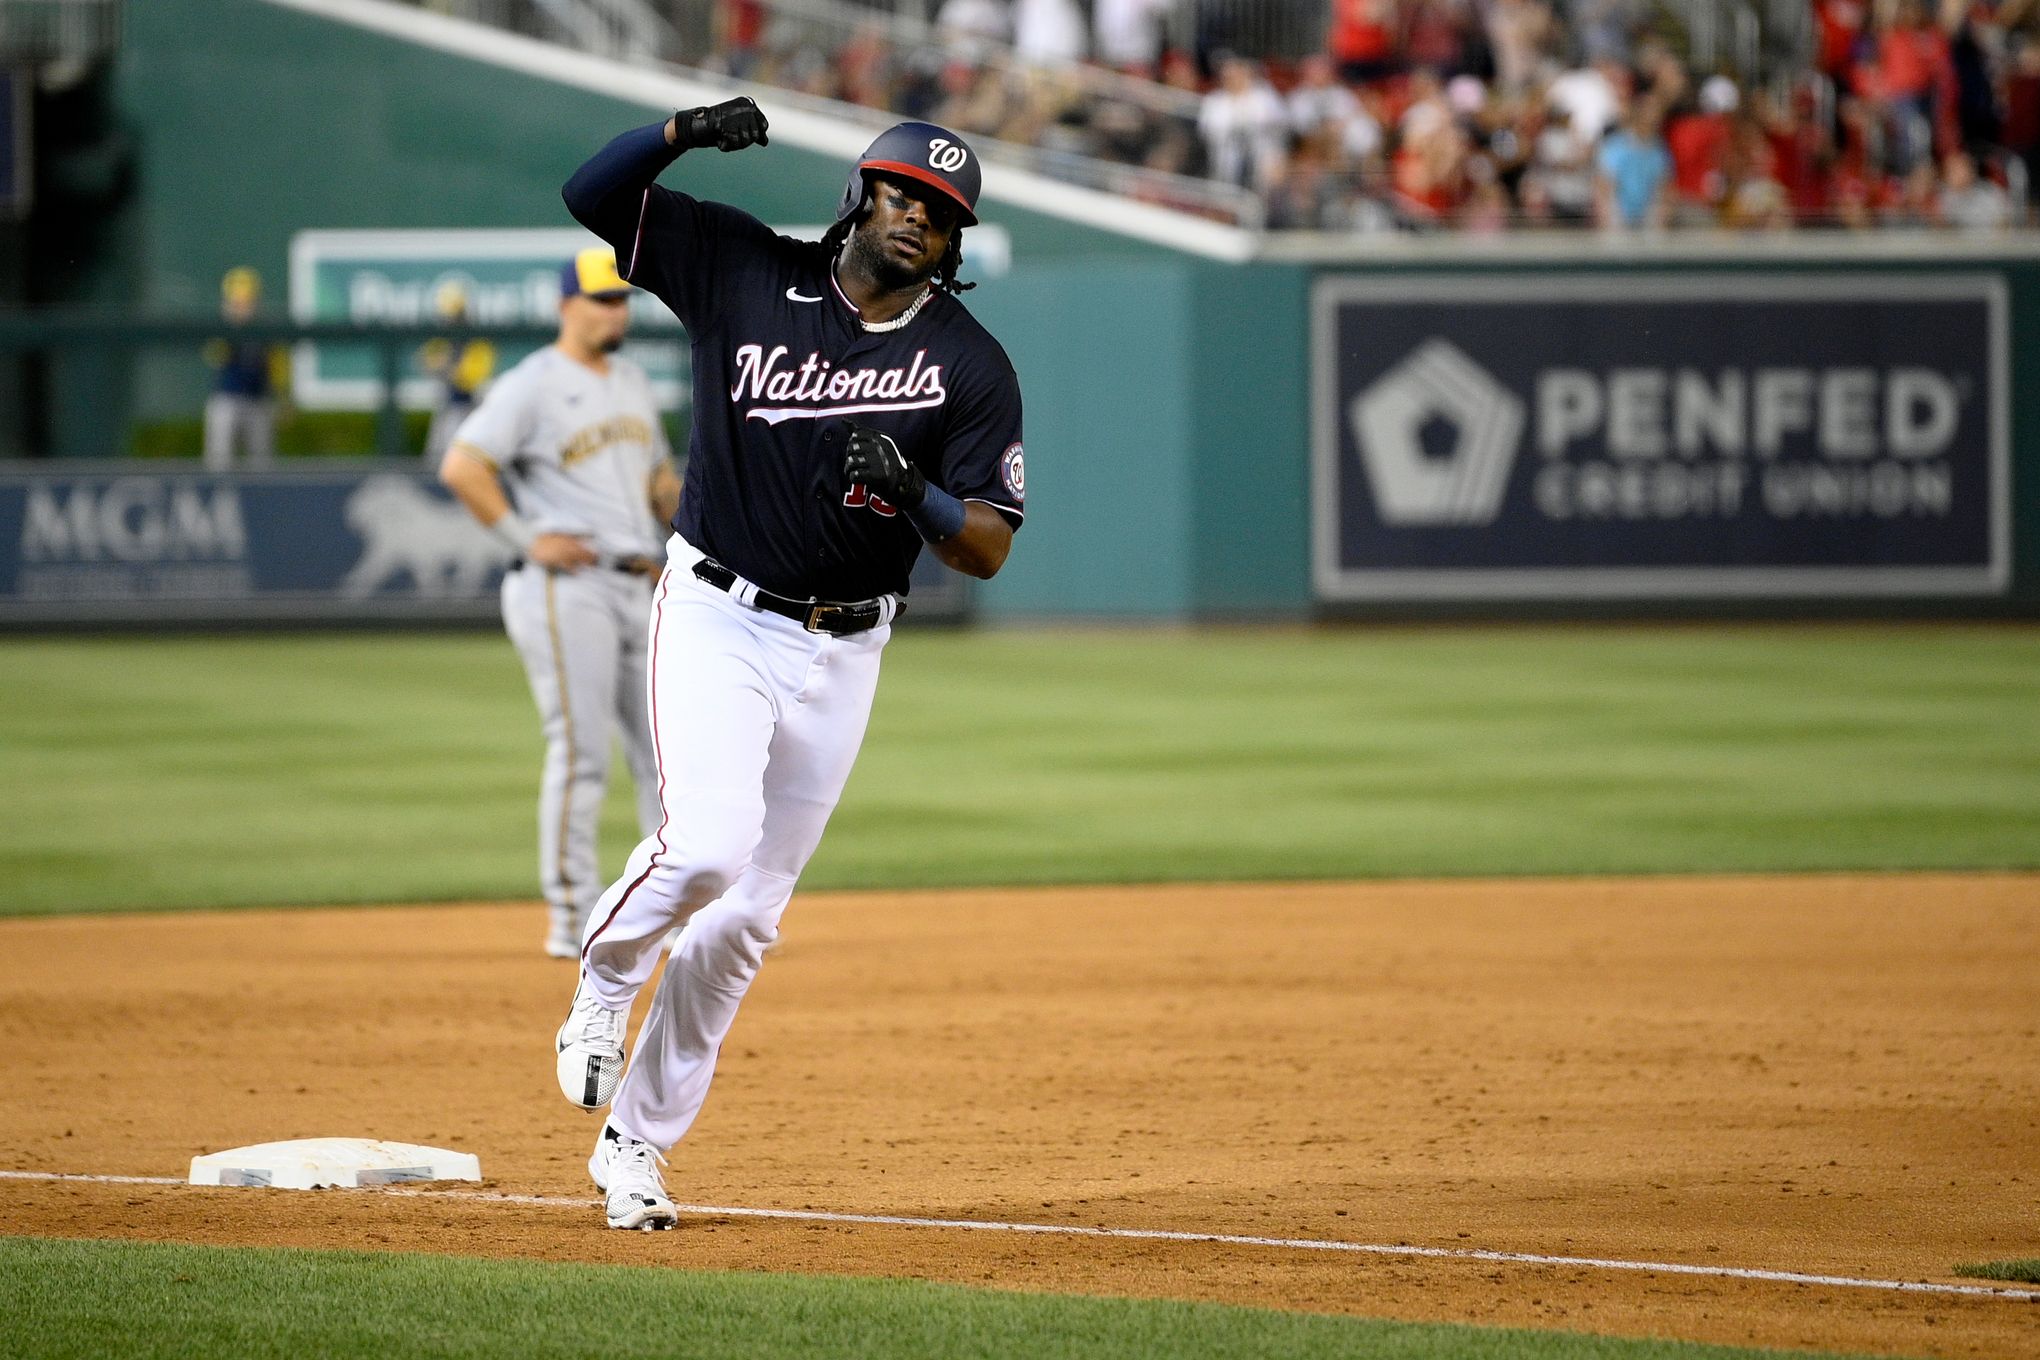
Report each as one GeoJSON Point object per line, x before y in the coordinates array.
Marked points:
{"type": "Point", "coordinates": [763, 376]}
{"type": "Point", "coordinates": [592, 440]}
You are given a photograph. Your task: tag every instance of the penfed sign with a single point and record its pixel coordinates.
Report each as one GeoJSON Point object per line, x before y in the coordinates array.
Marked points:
{"type": "Point", "coordinates": [1610, 436]}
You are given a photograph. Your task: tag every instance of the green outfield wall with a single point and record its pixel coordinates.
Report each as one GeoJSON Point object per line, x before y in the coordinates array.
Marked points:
{"type": "Point", "coordinates": [1171, 424]}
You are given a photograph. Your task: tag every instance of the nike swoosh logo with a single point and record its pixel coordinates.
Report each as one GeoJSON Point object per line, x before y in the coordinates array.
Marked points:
{"type": "Point", "coordinates": [799, 296]}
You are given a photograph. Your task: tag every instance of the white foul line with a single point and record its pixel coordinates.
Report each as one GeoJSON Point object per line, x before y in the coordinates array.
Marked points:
{"type": "Point", "coordinates": [1162, 1235]}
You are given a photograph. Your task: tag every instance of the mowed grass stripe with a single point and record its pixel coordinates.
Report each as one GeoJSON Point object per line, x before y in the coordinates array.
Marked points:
{"type": "Point", "coordinates": [93, 1299]}
{"type": "Point", "coordinates": [170, 772]}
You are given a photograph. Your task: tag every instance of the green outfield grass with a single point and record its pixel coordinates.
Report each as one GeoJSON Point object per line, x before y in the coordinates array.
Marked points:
{"type": "Point", "coordinates": [157, 772]}
{"type": "Point", "coordinates": [95, 1299]}
{"type": "Point", "coordinates": [2026, 1271]}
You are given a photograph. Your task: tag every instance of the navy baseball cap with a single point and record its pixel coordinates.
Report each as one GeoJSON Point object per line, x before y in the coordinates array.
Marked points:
{"type": "Point", "coordinates": [931, 155]}
{"type": "Point", "coordinates": [592, 273]}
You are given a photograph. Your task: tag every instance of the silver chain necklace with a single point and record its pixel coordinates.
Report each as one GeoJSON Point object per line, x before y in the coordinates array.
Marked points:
{"type": "Point", "coordinates": [902, 319]}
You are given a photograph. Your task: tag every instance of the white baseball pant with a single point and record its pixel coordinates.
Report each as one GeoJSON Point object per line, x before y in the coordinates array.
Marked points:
{"type": "Point", "coordinates": [756, 722]}
{"type": "Point", "coordinates": [246, 423]}
{"type": "Point", "coordinates": [581, 636]}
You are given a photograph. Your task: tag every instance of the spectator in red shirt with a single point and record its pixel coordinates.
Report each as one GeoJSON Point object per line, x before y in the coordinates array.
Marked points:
{"type": "Point", "coordinates": [1916, 78]}
{"type": "Point", "coordinates": [1363, 39]}
{"type": "Point", "coordinates": [1805, 150]}
{"type": "Point", "coordinates": [1434, 35]}
{"type": "Point", "coordinates": [739, 26]}
{"type": "Point", "coordinates": [1839, 26]}
{"type": "Point", "coordinates": [1700, 141]}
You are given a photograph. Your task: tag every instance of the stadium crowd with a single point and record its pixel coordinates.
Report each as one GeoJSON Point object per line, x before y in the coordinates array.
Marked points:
{"type": "Point", "coordinates": [1476, 115]}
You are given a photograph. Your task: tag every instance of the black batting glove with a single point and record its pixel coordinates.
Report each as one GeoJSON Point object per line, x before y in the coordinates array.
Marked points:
{"type": "Point", "coordinates": [730, 126]}
{"type": "Point", "coordinates": [873, 459]}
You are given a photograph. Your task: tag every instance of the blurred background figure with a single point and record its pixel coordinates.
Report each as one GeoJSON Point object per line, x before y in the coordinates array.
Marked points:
{"type": "Point", "coordinates": [461, 369]}
{"type": "Point", "coordinates": [1048, 32]}
{"type": "Point", "coordinates": [1319, 105]}
{"type": "Point", "coordinates": [1592, 97]}
{"type": "Point", "coordinates": [1365, 39]}
{"type": "Point", "coordinates": [1634, 171]}
{"type": "Point", "coordinates": [1520, 34]}
{"type": "Point", "coordinates": [1603, 28]}
{"type": "Point", "coordinates": [1244, 126]}
{"type": "Point", "coordinates": [1559, 186]}
{"type": "Point", "coordinates": [969, 30]}
{"type": "Point", "coordinates": [1915, 74]}
{"type": "Point", "coordinates": [1304, 197]}
{"type": "Point", "coordinates": [1700, 141]}
{"type": "Point", "coordinates": [240, 415]}
{"type": "Point", "coordinates": [1428, 170]}
{"type": "Point", "coordinates": [1970, 202]}
{"type": "Point", "coordinates": [1127, 35]}
{"type": "Point", "coordinates": [739, 30]}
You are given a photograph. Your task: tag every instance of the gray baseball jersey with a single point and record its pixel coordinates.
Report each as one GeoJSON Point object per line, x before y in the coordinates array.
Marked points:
{"type": "Point", "coordinates": [576, 448]}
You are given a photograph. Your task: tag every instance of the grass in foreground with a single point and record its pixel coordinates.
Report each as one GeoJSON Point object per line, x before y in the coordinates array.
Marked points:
{"type": "Point", "coordinates": [2025, 1271]}
{"type": "Point", "coordinates": [93, 1299]}
{"type": "Point", "coordinates": [153, 771]}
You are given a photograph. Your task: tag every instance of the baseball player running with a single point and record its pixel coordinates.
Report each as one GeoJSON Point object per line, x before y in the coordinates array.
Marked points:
{"type": "Point", "coordinates": [574, 433]}
{"type": "Point", "coordinates": [847, 410]}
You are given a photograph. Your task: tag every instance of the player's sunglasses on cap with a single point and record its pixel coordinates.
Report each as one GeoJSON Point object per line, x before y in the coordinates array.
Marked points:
{"type": "Point", "coordinates": [925, 154]}
{"type": "Point", "coordinates": [592, 274]}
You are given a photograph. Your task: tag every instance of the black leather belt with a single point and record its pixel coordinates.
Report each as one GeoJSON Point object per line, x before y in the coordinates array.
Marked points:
{"type": "Point", "coordinates": [817, 616]}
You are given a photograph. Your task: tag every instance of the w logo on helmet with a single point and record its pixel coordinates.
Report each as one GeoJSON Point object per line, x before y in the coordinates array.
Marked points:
{"type": "Point", "coordinates": [926, 152]}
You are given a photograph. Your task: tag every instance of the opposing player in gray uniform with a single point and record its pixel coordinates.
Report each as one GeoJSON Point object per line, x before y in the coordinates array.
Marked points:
{"type": "Point", "coordinates": [574, 434]}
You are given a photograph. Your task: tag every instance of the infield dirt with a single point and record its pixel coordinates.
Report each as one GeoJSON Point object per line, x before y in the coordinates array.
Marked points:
{"type": "Point", "coordinates": [1836, 1075]}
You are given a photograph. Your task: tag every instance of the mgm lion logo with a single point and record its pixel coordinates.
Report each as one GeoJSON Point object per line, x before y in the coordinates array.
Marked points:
{"type": "Point", "coordinates": [408, 531]}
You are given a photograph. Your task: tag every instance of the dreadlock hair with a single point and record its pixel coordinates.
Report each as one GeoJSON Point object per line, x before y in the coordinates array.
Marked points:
{"type": "Point", "coordinates": [946, 269]}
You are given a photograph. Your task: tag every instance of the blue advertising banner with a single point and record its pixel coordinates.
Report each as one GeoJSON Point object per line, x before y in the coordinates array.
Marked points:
{"type": "Point", "coordinates": [135, 543]}
{"type": "Point", "coordinates": [1607, 436]}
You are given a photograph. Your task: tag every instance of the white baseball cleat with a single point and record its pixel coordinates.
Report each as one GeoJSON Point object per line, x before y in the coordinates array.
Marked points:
{"type": "Point", "coordinates": [590, 1046]}
{"type": "Point", "coordinates": [627, 1171]}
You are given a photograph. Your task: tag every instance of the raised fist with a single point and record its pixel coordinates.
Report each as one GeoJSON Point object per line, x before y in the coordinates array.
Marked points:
{"type": "Point", "coordinates": [730, 126]}
{"type": "Point", "coordinates": [874, 460]}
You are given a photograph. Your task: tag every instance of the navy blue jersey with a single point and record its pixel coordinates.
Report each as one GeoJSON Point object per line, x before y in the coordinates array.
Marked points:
{"type": "Point", "coordinates": [782, 364]}
{"type": "Point", "coordinates": [244, 372]}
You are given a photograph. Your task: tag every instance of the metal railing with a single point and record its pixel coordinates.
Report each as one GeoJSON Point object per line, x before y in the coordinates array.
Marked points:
{"type": "Point", "coordinates": [1272, 30]}
{"type": "Point", "coordinates": [1757, 40]}
{"type": "Point", "coordinates": [629, 30]}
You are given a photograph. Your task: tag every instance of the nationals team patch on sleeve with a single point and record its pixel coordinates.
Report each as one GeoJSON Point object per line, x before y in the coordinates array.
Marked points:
{"type": "Point", "coordinates": [1013, 471]}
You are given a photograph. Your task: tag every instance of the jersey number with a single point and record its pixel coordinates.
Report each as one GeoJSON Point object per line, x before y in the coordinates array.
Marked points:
{"type": "Point", "coordinates": [860, 495]}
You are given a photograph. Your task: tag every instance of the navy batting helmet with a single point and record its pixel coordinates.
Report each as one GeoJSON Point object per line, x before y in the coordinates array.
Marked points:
{"type": "Point", "coordinates": [933, 155]}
